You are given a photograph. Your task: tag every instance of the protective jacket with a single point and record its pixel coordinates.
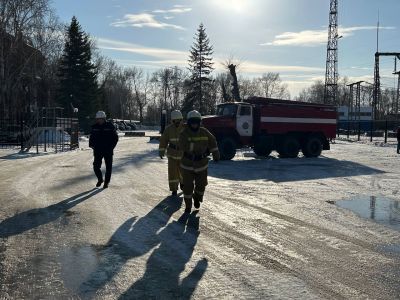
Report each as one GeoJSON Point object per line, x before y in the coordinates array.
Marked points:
{"type": "Point", "coordinates": [169, 142]}
{"type": "Point", "coordinates": [103, 138]}
{"type": "Point", "coordinates": [196, 146]}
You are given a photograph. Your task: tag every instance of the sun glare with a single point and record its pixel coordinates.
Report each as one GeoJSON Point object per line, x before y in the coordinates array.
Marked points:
{"type": "Point", "coordinates": [233, 5]}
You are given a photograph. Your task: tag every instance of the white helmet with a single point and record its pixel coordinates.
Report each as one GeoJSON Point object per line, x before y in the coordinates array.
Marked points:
{"type": "Point", "coordinates": [101, 115]}
{"type": "Point", "coordinates": [194, 114]}
{"type": "Point", "coordinates": [176, 115]}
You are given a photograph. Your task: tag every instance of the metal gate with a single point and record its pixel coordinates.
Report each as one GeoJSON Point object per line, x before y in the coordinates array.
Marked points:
{"type": "Point", "coordinates": [44, 130]}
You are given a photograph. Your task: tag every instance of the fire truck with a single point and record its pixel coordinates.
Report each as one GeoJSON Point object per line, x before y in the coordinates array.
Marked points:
{"type": "Point", "coordinates": [267, 125]}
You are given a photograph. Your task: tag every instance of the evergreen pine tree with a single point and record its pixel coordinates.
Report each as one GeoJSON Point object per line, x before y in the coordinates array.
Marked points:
{"type": "Point", "coordinates": [78, 74]}
{"type": "Point", "coordinates": [200, 65]}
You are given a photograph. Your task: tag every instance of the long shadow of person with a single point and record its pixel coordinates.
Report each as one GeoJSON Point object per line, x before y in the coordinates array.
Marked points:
{"type": "Point", "coordinates": [133, 238]}
{"type": "Point", "coordinates": [33, 218]}
{"type": "Point", "coordinates": [168, 261]}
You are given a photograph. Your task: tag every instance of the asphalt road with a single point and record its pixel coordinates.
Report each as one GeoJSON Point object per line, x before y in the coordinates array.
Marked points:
{"type": "Point", "coordinates": [267, 228]}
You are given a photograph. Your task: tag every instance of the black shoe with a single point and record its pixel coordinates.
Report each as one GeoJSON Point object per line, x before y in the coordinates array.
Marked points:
{"type": "Point", "coordinates": [196, 203]}
{"type": "Point", "coordinates": [105, 185]}
{"type": "Point", "coordinates": [174, 193]}
{"type": "Point", "coordinates": [181, 186]}
{"type": "Point", "coordinates": [99, 183]}
{"type": "Point", "coordinates": [188, 210]}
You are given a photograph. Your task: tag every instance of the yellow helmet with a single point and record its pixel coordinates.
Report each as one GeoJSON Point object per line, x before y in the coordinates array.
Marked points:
{"type": "Point", "coordinates": [176, 115]}
{"type": "Point", "coordinates": [194, 114]}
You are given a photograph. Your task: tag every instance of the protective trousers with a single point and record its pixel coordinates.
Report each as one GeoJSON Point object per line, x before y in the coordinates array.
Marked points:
{"type": "Point", "coordinates": [194, 185]}
{"type": "Point", "coordinates": [108, 159]}
{"type": "Point", "coordinates": [174, 174]}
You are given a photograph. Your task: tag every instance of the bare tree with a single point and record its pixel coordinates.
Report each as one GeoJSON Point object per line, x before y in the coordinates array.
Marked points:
{"type": "Point", "coordinates": [272, 87]}
{"type": "Point", "coordinates": [232, 65]}
{"type": "Point", "coordinates": [140, 83]}
{"type": "Point", "coordinates": [29, 39]}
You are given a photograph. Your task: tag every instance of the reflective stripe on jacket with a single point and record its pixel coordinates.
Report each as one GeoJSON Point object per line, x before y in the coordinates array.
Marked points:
{"type": "Point", "coordinates": [197, 144]}
{"type": "Point", "coordinates": [171, 136]}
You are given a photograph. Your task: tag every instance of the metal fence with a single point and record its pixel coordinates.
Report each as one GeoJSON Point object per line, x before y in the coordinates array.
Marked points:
{"type": "Point", "coordinates": [45, 130]}
{"type": "Point", "coordinates": [369, 131]}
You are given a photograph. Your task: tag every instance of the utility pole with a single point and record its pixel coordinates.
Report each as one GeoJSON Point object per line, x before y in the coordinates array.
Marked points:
{"type": "Point", "coordinates": [398, 86]}
{"type": "Point", "coordinates": [331, 74]}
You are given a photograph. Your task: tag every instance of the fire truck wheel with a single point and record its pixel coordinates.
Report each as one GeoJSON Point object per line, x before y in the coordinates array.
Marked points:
{"type": "Point", "coordinates": [227, 148]}
{"type": "Point", "coordinates": [312, 147]}
{"type": "Point", "coordinates": [263, 145]}
{"type": "Point", "coordinates": [289, 148]}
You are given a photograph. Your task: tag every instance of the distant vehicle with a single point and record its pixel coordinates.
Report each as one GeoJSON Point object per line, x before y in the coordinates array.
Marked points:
{"type": "Point", "coordinates": [53, 136]}
{"type": "Point", "coordinates": [270, 124]}
{"type": "Point", "coordinates": [124, 125]}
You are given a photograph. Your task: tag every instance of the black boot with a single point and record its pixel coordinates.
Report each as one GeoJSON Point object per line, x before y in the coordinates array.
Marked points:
{"type": "Point", "coordinates": [196, 203]}
{"type": "Point", "coordinates": [181, 186]}
{"type": "Point", "coordinates": [99, 183]}
{"type": "Point", "coordinates": [105, 186]}
{"type": "Point", "coordinates": [188, 203]}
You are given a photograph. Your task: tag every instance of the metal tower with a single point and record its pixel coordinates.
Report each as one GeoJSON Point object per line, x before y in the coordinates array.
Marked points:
{"type": "Point", "coordinates": [377, 103]}
{"type": "Point", "coordinates": [331, 75]}
{"type": "Point", "coordinates": [398, 86]}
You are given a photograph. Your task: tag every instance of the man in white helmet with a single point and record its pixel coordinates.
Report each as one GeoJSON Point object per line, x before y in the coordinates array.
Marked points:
{"type": "Point", "coordinates": [103, 139]}
{"type": "Point", "coordinates": [169, 143]}
{"type": "Point", "coordinates": [197, 143]}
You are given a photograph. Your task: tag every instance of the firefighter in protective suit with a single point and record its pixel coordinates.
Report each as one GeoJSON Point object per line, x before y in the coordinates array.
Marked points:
{"type": "Point", "coordinates": [197, 143]}
{"type": "Point", "coordinates": [169, 142]}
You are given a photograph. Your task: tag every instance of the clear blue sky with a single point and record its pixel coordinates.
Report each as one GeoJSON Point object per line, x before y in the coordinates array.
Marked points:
{"type": "Point", "coordinates": [285, 36]}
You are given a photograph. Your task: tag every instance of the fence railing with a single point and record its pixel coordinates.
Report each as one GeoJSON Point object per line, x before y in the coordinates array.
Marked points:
{"type": "Point", "coordinates": [40, 132]}
{"type": "Point", "coordinates": [373, 131]}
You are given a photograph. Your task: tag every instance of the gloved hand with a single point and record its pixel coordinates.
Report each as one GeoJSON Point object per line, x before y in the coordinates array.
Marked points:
{"type": "Point", "coordinates": [216, 157]}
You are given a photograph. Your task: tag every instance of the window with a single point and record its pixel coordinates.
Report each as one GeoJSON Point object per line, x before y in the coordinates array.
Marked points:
{"type": "Point", "coordinates": [245, 110]}
{"type": "Point", "coordinates": [227, 110]}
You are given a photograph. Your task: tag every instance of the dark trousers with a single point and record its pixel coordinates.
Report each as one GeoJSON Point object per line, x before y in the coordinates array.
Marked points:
{"type": "Point", "coordinates": [108, 159]}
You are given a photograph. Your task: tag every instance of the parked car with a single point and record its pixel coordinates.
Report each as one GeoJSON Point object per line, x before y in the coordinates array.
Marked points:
{"type": "Point", "coordinates": [53, 136]}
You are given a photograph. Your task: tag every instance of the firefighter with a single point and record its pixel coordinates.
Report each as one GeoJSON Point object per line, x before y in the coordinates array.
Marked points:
{"type": "Point", "coordinates": [398, 139]}
{"type": "Point", "coordinates": [169, 142]}
{"type": "Point", "coordinates": [103, 139]}
{"type": "Point", "coordinates": [196, 142]}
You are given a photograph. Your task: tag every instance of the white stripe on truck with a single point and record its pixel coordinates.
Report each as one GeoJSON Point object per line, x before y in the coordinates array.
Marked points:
{"type": "Point", "coordinates": [297, 120]}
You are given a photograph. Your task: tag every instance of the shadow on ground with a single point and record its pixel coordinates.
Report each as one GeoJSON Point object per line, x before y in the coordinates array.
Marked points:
{"type": "Point", "coordinates": [287, 170]}
{"type": "Point", "coordinates": [175, 242]}
{"type": "Point", "coordinates": [22, 155]}
{"type": "Point", "coordinates": [119, 165]}
{"type": "Point", "coordinates": [33, 218]}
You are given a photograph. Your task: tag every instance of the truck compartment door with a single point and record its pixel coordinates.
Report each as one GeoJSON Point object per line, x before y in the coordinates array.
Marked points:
{"type": "Point", "coordinates": [244, 120]}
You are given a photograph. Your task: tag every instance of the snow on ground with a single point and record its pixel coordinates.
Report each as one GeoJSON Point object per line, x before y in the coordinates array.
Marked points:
{"type": "Point", "coordinates": [265, 230]}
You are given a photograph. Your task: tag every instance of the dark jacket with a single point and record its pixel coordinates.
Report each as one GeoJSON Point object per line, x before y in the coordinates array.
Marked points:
{"type": "Point", "coordinates": [103, 138]}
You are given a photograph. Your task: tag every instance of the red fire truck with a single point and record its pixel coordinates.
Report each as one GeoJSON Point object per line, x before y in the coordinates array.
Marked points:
{"type": "Point", "coordinates": [269, 124]}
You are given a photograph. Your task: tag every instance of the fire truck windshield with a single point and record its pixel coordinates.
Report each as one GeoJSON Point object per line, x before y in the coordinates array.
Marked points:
{"type": "Point", "coordinates": [227, 110]}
